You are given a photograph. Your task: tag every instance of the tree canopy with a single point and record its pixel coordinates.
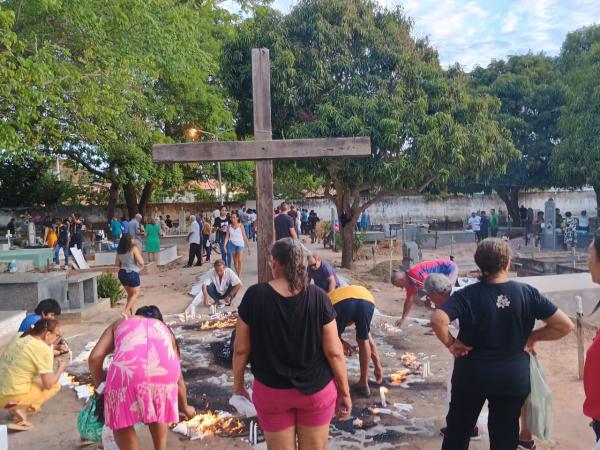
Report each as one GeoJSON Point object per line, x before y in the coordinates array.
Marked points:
{"type": "Point", "coordinates": [576, 161]}
{"type": "Point", "coordinates": [531, 96]}
{"type": "Point", "coordinates": [350, 68]}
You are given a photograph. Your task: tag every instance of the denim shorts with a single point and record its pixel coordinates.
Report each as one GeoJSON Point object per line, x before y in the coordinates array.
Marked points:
{"type": "Point", "coordinates": [232, 248]}
{"type": "Point", "coordinates": [129, 279]}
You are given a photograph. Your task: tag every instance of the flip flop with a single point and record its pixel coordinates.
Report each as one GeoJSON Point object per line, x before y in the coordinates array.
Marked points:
{"type": "Point", "coordinates": [22, 425]}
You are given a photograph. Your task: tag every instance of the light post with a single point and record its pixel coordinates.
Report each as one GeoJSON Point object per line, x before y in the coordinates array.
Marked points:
{"type": "Point", "coordinates": [194, 134]}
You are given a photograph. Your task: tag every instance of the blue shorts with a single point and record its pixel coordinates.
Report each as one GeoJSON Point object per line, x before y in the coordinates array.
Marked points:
{"type": "Point", "coordinates": [232, 248]}
{"type": "Point", "coordinates": [355, 310]}
{"type": "Point", "coordinates": [129, 279]}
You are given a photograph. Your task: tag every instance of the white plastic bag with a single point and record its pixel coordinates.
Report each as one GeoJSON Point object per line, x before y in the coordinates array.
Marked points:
{"type": "Point", "coordinates": [538, 407]}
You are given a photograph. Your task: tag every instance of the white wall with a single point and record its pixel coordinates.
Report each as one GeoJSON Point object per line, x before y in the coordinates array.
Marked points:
{"type": "Point", "coordinates": [418, 208]}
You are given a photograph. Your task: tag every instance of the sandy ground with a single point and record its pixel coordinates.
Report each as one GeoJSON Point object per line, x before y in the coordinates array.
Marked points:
{"type": "Point", "coordinates": [55, 425]}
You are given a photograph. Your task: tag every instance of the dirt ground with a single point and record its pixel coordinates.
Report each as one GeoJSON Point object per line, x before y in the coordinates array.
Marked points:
{"type": "Point", "coordinates": [55, 425]}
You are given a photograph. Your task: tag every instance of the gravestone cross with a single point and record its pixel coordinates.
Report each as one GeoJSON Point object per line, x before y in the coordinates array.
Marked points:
{"type": "Point", "coordinates": [262, 150]}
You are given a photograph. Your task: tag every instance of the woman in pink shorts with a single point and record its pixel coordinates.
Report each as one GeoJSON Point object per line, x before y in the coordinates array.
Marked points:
{"type": "Point", "coordinates": [144, 382]}
{"type": "Point", "coordinates": [287, 331]}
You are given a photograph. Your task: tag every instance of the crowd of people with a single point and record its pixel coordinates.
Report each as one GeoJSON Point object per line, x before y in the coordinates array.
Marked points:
{"type": "Point", "coordinates": [290, 331]}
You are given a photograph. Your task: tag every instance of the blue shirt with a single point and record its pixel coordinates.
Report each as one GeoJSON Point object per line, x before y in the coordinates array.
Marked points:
{"type": "Point", "coordinates": [29, 321]}
{"type": "Point", "coordinates": [320, 276]}
{"type": "Point", "coordinates": [115, 228]}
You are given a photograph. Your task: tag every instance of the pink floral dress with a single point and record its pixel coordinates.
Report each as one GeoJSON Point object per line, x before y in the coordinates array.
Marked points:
{"type": "Point", "coordinates": [141, 384]}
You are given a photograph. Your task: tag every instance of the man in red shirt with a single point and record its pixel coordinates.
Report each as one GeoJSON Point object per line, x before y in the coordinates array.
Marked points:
{"type": "Point", "coordinates": [412, 279]}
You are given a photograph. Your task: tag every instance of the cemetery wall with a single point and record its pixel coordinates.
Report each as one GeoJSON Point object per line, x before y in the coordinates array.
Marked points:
{"type": "Point", "coordinates": [419, 208]}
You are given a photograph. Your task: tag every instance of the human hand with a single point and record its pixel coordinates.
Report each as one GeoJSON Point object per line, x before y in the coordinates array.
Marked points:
{"type": "Point", "coordinates": [399, 322]}
{"type": "Point", "coordinates": [62, 348]}
{"type": "Point", "coordinates": [347, 348]}
{"type": "Point", "coordinates": [62, 365]}
{"type": "Point", "coordinates": [343, 406]}
{"type": "Point", "coordinates": [242, 391]}
{"type": "Point", "coordinates": [188, 411]}
{"type": "Point", "coordinates": [459, 349]}
{"type": "Point", "coordinates": [530, 346]}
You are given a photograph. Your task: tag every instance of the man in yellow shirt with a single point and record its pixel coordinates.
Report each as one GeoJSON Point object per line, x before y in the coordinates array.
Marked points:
{"type": "Point", "coordinates": [25, 357]}
{"type": "Point", "coordinates": [355, 304]}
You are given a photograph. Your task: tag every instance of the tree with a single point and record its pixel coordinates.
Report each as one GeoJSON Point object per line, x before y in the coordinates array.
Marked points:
{"type": "Point", "coordinates": [531, 96]}
{"type": "Point", "coordinates": [349, 68]}
{"type": "Point", "coordinates": [576, 160]}
{"type": "Point", "coordinates": [130, 73]}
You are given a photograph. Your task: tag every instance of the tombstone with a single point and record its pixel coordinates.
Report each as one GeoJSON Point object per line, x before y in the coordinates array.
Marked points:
{"type": "Point", "coordinates": [181, 220]}
{"type": "Point", "coordinates": [411, 254]}
{"type": "Point", "coordinates": [549, 233]}
{"type": "Point", "coordinates": [23, 291]}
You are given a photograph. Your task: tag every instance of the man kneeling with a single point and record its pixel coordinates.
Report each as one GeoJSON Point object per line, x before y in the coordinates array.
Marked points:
{"type": "Point", "coordinates": [355, 304]}
{"type": "Point", "coordinates": [223, 284]}
{"type": "Point", "coordinates": [25, 357]}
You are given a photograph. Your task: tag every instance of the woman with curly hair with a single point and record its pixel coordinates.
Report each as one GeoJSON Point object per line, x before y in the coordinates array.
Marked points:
{"type": "Point", "coordinates": [287, 330]}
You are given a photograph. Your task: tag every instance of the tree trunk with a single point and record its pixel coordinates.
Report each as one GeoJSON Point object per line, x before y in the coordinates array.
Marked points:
{"type": "Point", "coordinates": [510, 197]}
{"type": "Point", "coordinates": [348, 248]}
{"type": "Point", "coordinates": [131, 200]}
{"type": "Point", "coordinates": [112, 200]}
{"type": "Point", "coordinates": [145, 198]}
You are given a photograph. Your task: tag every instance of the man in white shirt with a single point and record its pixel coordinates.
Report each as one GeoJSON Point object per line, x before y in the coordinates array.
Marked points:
{"type": "Point", "coordinates": [222, 284]}
{"type": "Point", "coordinates": [475, 225]}
{"type": "Point", "coordinates": [193, 239]}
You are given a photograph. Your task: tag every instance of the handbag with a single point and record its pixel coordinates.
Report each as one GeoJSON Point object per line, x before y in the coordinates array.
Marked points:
{"type": "Point", "coordinates": [90, 421]}
{"type": "Point", "coordinates": [538, 407]}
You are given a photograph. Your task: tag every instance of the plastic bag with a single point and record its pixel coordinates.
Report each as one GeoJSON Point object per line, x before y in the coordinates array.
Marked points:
{"type": "Point", "coordinates": [538, 407]}
{"type": "Point", "coordinates": [89, 424]}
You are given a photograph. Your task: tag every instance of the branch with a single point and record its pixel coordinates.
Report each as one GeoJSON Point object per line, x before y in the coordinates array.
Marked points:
{"type": "Point", "coordinates": [427, 183]}
{"type": "Point", "coordinates": [86, 165]}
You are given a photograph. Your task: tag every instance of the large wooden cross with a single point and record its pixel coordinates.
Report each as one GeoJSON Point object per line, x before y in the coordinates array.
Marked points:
{"type": "Point", "coordinates": [263, 150]}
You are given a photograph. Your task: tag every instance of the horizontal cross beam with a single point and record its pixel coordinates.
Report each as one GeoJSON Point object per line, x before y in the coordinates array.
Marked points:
{"type": "Point", "coordinates": [261, 150]}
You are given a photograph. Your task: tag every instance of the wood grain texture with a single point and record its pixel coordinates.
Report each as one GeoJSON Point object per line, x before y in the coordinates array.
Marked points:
{"type": "Point", "coordinates": [261, 150]}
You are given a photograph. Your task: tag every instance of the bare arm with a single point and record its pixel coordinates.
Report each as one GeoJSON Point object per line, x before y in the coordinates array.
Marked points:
{"type": "Point", "coordinates": [226, 239]}
{"type": "Point", "coordinates": [293, 233]}
{"type": "Point", "coordinates": [104, 346]}
{"type": "Point", "coordinates": [246, 243]}
{"type": "Point", "coordinates": [440, 322]}
{"type": "Point", "coordinates": [556, 326]}
{"type": "Point", "coordinates": [137, 255]}
{"type": "Point", "coordinates": [334, 352]}
{"type": "Point", "coordinates": [241, 354]}
{"type": "Point", "coordinates": [50, 379]}
{"type": "Point", "coordinates": [331, 280]}
{"type": "Point", "coordinates": [235, 290]}
{"type": "Point", "coordinates": [405, 310]}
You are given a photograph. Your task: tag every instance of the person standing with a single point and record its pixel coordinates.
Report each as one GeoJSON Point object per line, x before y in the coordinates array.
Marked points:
{"type": "Point", "coordinates": [412, 279]}
{"type": "Point", "coordinates": [115, 230]}
{"type": "Point", "coordinates": [484, 226]}
{"type": "Point", "coordinates": [494, 222]}
{"type": "Point", "coordinates": [62, 244]}
{"type": "Point", "coordinates": [235, 241]}
{"type": "Point", "coordinates": [124, 225]}
{"type": "Point", "coordinates": [220, 225]}
{"type": "Point", "coordinates": [193, 238]}
{"type": "Point", "coordinates": [570, 230]}
{"type": "Point", "coordinates": [76, 231]}
{"type": "Point", "coordinates": [475, 225]}
{"type": "Point", "coordinates": [52, 233]}
{"type": "Point", "coordinates": [313, 219]}
{"type": "Point", "coordinates": [584, 222]}
{"type": "Point", "coordinates": [130, 263]}
{"type": "Point", "coordinates": [25, 358]}
{"type": "Point", "coordinates": [10, 226]}
{"type": "Point", "coordinates": [288, 333]}
{"type": "Point", "coordinates": [252, 225]}
{"type": "Point", "coordinates": [134, 228]}
{"type": "Point", "coordinates": [355, 304]}
{"type": "Point", "coordinates": [496, 316]}
{"type": "Point", "coordinates": [206, 230]}
{"type": "Point", "coordinates": [303, 221]}
{"type": "Point", "coordinates": [153, 233]}
{"type": "Point", "coordinates": [169, 221]}
{"type": "Point", "coordinates": [144, 383]}
{"type": "Point", "coordinates": [591, 380]}
{"type": "Point", "coordinates": [322, 273]}
{"type": "Point", "coordinates": [364, 221]}
{"type": "Point", "coordinates": [285, 226]}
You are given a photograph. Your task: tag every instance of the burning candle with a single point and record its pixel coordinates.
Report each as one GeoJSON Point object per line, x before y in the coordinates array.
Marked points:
{"type": "Point", "coordinates": [70, 357]}
{"type": "Point", "coordinates": [255, 435]}
{"type": "Point", "coordinates": [382, 391]}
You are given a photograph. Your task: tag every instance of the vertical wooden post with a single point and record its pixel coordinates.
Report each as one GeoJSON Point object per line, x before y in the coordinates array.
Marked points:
{"type": "Point", "coordinates": [580, 345]}
{"type": "Point", "coordinates": [261, 101]}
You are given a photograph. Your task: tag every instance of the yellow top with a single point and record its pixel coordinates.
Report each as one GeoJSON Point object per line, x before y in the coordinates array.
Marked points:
{"type": "Point", "coordinates": [51, 238]}
{"type": "Point", "coordinates": [21, 360]}
{"type": "Point", "coordinates": [352, 291]}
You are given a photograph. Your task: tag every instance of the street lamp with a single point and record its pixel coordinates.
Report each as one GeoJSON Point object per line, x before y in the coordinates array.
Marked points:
{"type": "Point", "coordinates": [194, 134]}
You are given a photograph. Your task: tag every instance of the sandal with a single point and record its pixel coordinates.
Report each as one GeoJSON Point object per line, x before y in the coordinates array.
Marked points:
{"type": "Point", "coordinates": [228, 302]}
{"type": "Point", "coordinates": [21, 425]}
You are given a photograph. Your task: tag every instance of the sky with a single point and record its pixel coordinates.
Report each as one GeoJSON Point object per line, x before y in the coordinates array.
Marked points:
{"type": "Point", "coordinates": [474, 32]}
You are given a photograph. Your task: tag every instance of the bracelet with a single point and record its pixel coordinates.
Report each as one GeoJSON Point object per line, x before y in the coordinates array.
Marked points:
{"type": "Point", "coordinates": [452, 342]}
